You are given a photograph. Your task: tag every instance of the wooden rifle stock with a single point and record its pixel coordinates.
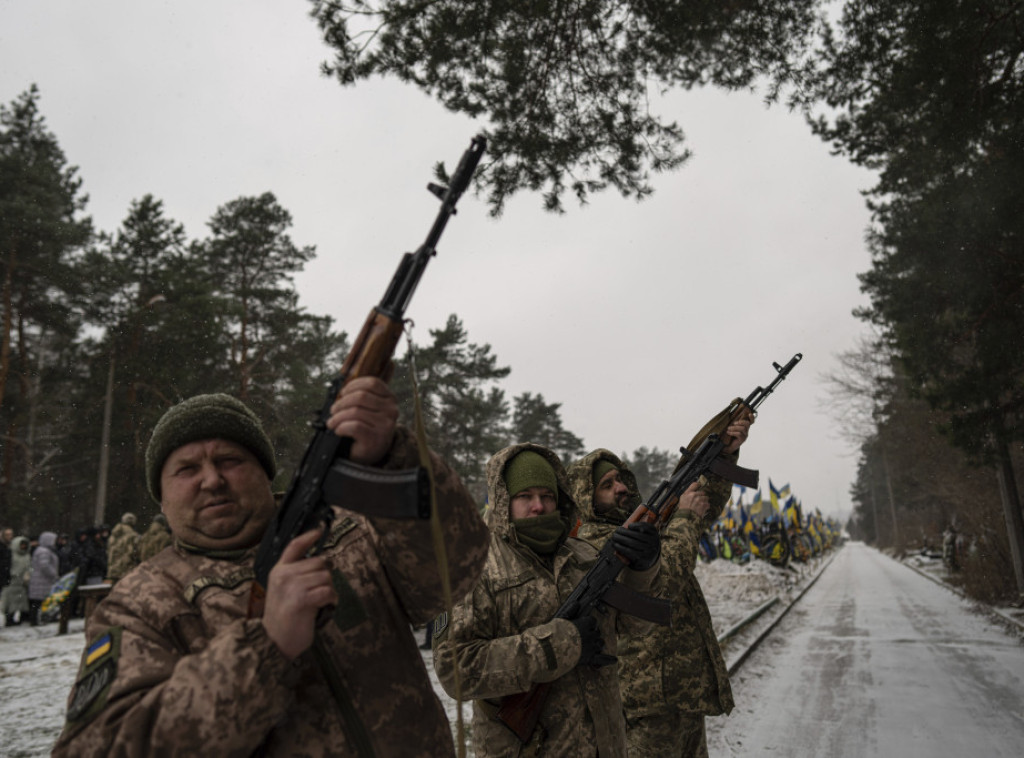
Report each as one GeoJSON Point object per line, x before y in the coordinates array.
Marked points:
{"type": "Point", "coordinates": [303, 506]}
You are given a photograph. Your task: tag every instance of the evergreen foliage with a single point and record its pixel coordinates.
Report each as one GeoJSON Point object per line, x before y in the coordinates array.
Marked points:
{"type": "Point", "coordinates": [534, 420]}
{"type": "Point", "coordinates": [566, 86]}
{"type": "Point", "coordinates": [41, 229]}
{"type": "Point", "coordinates": [930, 94]}
{"type": "Point", "coordinates": [650, 466]}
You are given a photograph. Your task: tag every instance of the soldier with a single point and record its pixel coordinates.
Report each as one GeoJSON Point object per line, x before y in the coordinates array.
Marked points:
{"type": "Point", "coordinates": [671, 676]}
{"type": "Point", "coordinates": [156, 538]}
{"type": "Point", "coordinates": [503, 638]}
{"type": "Point", "coordinates": [173, 664]}
{"type": "Point", "coordinates": [122, 549]}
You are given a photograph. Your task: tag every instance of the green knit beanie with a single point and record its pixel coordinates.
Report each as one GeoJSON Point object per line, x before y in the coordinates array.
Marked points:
{"type": "Point", "coordinates": [206, 417]}
{"type": "Point", "coordinates": [602, 467]}
{"type": "Point", "coordinates": [529, 469]}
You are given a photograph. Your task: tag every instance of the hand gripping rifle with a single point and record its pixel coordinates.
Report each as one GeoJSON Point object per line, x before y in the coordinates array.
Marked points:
{"type": "Point", "coordinates": [324, 475]}
{"type": "Point", "coordinates": [599, 588]}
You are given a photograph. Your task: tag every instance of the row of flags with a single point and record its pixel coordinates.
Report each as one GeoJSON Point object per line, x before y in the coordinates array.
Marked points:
{"type": "Point", "coordinates": [781, 504]}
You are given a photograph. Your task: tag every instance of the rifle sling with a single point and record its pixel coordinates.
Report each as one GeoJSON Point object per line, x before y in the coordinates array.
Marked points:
{"type": "Point", "coordinates": [637, 604]}
{"type": "Point", "coordinates": [403, 494]}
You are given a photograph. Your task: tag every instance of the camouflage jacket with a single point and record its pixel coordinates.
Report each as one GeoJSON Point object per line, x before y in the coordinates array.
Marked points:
{"type": "Point", "coordinates": [122, 551]}
{"type": "Point", "coordinates": [174, 667]}
{"type": "Point", "coordinates": [503, 639]}
{"type": "Point", "coordinates": [156, 538]}
{"type": "Point", "coordinates": [678, 667]}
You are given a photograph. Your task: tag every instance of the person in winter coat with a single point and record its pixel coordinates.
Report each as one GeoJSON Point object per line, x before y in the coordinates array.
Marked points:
{"type": "Point", "coordinates": [45, 571]}
{"type": "Point", "coordinates": [174, 663]}
{"type": "Point", "coordinates": [65, 554]}
{"type": "Point", "coordinates": [156, 538]}
{"type": "Point", "coordinates": [14, 597]}
{"type": "Point", "coordinates": [671, 676]}
{"type": "Point", "coordinates": [122, 549]}
{"type": "Point", "coordinates": [95, 557]}
{"type": "Point", "coordinates": [502, 638]}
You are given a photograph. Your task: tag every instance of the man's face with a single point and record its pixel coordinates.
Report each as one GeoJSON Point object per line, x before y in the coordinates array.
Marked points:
{"type": "Point", "coordinates": [8, 535]}
{"type": "Point", "coordinates": [215, 494]}
{"type": "Point", "coordinates": [610, 492]}
{"type": "Point", "coordinates": [533, 501]}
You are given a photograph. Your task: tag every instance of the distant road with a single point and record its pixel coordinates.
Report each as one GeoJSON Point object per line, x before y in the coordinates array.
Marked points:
{"type": "Point", "coordinates": [876, 660]}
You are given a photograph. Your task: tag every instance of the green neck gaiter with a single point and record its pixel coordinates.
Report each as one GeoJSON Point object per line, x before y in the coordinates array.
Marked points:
{"type": "Point", "coordinates": [542, 534]}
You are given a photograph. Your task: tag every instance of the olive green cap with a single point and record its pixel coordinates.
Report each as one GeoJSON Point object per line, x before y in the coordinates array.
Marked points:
{"type": "Point", "coordinates": [529, 469]}
{"type": "Point", "coordinates": [602, 467]}
{"type": "Point", "coordinates": [206, 417]}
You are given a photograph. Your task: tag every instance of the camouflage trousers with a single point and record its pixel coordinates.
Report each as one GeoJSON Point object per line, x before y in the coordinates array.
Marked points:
{"type": "Point", "coordinates": [675, 734]}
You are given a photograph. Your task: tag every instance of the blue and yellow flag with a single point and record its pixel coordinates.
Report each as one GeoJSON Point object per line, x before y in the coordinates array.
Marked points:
{"type": "Point", "coordinates": [774, 495]}
{"type": "Point", "coordinates": [791, 512]}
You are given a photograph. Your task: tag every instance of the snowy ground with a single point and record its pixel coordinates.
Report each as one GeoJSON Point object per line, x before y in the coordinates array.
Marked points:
{"type": "Point", "coordinates": [874, 661]}
{"type": "Point", "coordinates": [37, 667]}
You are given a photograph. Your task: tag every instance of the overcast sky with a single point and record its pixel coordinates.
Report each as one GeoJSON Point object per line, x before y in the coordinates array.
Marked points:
{"type": "Point", "coordinates": [642, 319]}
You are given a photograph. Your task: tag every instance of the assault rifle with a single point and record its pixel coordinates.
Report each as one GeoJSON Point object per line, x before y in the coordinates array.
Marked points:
{"type": "Point", "coordinates": [599, 588]}
{"type": "Point", "coordinates": [324, 475]}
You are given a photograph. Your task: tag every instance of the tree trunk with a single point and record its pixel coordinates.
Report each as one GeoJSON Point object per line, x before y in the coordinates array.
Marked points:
{"type": "Point", "coordinates": [8, 318]}
{"type": "Point", "coordinates": [1011, 510]}
{"type": "Point", "coordinates": [101, 484]}
{"type": "Point", "coordinates": [892, 500]}
{"type": "Point", "coordinates": [874, 511]}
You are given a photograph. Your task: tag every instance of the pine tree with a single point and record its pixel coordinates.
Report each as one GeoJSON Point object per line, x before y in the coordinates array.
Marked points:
{"type": "Point", "coordinates": [41, 228]}
{"type": "Point", "coordinates": [534, 420]}
{"type": "Point", "coordinates": [464, 413]}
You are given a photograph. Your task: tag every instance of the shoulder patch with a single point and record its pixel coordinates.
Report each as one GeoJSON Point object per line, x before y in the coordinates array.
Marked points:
{"type": "Point", "coordinates": [100, 648]}
{"type": "Point", "coordinates": [99, 668]}
{"type": "Point", "coordinates": [440, 624]}
{"type": "Point", "coordinates": [229, 582]}
{"type": "Point", "coordinates": [339, 529]}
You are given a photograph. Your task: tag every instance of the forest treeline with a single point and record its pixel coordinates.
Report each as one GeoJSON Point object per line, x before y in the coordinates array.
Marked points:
{"type": "Point", "coordinates": [104, 330]}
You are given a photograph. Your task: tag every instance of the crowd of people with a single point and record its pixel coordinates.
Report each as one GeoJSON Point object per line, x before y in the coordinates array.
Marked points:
{"type": "Point", "coordinates": [31, 566]}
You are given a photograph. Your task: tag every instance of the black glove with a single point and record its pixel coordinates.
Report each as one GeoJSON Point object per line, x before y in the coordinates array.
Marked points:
{"type": "Point", "coordinates": [639, 543]}
{"type": "Point", "coordinates": [591, 643]}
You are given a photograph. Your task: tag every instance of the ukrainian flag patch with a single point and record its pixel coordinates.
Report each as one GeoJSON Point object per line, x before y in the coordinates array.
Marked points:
{"type": "Point", "coordinates": [99, 648]}
{"type": "Point", "coordinates": [95, 678]}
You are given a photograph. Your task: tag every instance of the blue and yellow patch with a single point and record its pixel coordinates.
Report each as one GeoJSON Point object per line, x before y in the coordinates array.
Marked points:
{"type": "Point", "coordinates": [95, 678]}
{"type": "Point", "coordinates": [99, 648]}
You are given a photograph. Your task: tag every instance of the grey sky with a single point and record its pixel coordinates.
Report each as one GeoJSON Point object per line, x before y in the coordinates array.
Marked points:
{"type": "Point", "coordinates": [643, 320]}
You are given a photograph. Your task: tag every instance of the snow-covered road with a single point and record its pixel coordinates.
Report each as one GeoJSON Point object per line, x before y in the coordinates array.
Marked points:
{"type": "Point", "coordinates": [877, 660]}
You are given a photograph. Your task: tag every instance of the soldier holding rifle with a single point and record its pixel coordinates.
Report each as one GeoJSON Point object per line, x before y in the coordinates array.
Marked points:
{"type": "Point", "coordinates": [672, 676]}
{"type": "Point", "coordinates": [503, 639]}
{"type": "Point", "coordinates": [282, 627]}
